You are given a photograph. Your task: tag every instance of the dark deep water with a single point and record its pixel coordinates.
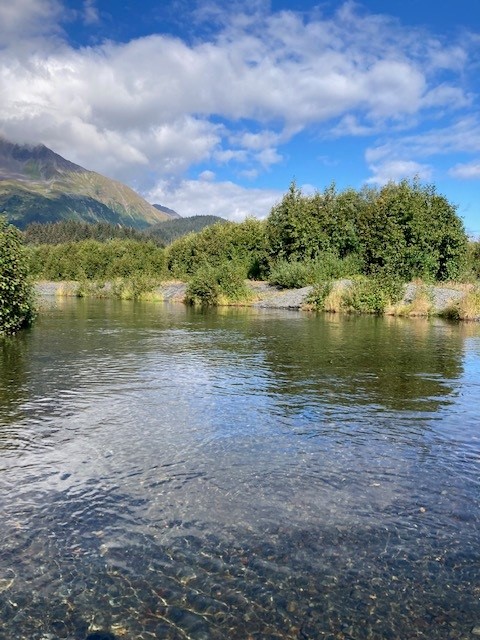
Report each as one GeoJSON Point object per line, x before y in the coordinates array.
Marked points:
{"type": "Point", "coordinates": [168, 473]}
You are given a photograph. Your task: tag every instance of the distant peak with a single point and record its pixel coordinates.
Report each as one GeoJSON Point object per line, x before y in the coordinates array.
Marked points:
{"type": "Point", "coordinates": [170, 212]}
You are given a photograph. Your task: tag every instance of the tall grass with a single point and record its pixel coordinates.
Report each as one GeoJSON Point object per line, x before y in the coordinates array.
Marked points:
{"type": "Point", "coordinates": [467, 308]}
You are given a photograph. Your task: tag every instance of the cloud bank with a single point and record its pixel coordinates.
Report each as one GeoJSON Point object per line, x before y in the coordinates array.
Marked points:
{"type": "Point", "coordinates": [157, 110]}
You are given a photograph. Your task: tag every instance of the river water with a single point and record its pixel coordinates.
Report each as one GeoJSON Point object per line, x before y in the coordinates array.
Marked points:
{"type": "Point", "coordinates": [238, 474]}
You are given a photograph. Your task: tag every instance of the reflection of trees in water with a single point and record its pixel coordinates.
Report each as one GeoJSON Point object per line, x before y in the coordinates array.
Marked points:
{"type": "Point", "coordinates": [395, 363]}
{"type": "Point", "coordinates": [342, 361]}
{"type": "Point", "coordinates": [13, 374]}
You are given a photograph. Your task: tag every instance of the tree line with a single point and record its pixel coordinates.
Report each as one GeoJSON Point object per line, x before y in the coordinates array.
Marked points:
{"type": "Point", "coordinates": [391, 234]}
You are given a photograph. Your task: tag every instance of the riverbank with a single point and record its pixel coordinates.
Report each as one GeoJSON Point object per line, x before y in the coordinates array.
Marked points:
{"type": "Point", "coordinates": [418, 299]}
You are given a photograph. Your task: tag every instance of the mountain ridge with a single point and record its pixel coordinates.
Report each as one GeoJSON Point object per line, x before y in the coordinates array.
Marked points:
{"type": "Point", "coordinates": [39, 185]}
{"type": "Point", "coordinates": [173, 215]}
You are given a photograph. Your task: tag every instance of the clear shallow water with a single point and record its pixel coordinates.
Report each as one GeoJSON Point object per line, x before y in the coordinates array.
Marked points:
{"type": "Point", "coordinates": [167, 473]}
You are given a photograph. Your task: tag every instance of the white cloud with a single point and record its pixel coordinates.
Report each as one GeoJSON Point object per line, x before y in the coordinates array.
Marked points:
{"type": "Point", "coordinates": [467, 171]}
{"type": "Point", "coordinates": [267, 157]}
{"type": "Point", "coordinates": [395, 170]}
{"type": "Point", "coordinates": [90, 12]}
{"type": "Point", "coordinates": [462, 136]}
{"type": "Point", "coordinates": [23, 20]}
{"type": "Point", "coordinates": [150, 109]}
{"type": "Point", "coordinates": [207, 175]}
{"type": "Point", "coordinates": [225, 199]}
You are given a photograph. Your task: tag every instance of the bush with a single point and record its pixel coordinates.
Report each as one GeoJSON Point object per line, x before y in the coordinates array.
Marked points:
{"type": "Point", "coordinates": [372, 295]}
{"type": "Point", "coordinates": [327, 266]}
{"type": "Point", "coordinates": [16, 292]}
{"type": "Point", "coordinates": [242, 243]}
{"type": "Point", "coordinates": [203, 288]}
{"type": "Point", "coordinates": [231, 280]}
{"type": "Point", "coordinates": [405, 228]}
{"type": "Point", "coordinates": [212, 285]}
{"type": "Point", "coordinates": [291, 275]}
{"type": "Point", "coordinates": [473, 261]}
{"type": "Point", "coordinates": [94, 260]}
{"type": "Point", "coordinates": [319, 294]}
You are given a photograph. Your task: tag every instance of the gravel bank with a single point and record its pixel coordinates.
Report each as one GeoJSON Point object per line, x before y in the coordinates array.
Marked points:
{"type": "Point", "coordinates": [268, 296]}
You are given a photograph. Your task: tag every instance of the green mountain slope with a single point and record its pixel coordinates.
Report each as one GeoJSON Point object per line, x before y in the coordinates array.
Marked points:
{"type": "Point", "coordinates": [38, 185]}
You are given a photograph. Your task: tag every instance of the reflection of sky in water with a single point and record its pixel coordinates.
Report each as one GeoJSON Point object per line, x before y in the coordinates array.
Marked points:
{"type": "Point", "coordinates": [283, 452]}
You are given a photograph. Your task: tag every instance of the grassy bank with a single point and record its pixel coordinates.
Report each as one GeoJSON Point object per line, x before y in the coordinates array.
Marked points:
{"type": "Point", "coordinates": [452, 301]}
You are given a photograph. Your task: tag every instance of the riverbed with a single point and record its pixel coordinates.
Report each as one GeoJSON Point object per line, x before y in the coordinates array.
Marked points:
{"type": "Point", "coordinates": [169, 472]}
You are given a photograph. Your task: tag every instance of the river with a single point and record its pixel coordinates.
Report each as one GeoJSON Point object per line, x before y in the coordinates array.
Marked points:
{"type": "Point", "coordinates": [238, 474]}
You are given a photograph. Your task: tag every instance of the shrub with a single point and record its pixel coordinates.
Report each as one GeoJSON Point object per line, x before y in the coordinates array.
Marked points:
{"type": "Point", "coordinates": [405, 228]}
{"type": "Point", "coordinates": [296, 274]}
{"type": "Point", "coordinates": [291, 275]}
{"type": "Point", "coordinates": [94, 260]}
{"type": "Point", "coordinates": [473, 261]}
{"type": "Point", "coordinates": [242, 243]}
{"type": "Point", "coordinates": [329, 266]}
{"type": "Point", "coordinates": [137, 287]}
{"type": "Point", "coordinates": [212, 285]}
{"type": "Point", "coordinates": [372, 295]}
{"type": "Point", "coordinates": [203, 288]}
{"type": "Point", "coordinates": [467, 308]}
{"type": "Point", "coordinates": [16, 292]}
{"type": "Point", "coordinates": [231, 280]}
{"type": "Point", "coordinates": [319, 294]}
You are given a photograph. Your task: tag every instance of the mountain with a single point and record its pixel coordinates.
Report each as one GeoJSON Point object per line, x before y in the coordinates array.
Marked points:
{"type": "Point", "coordinates": [38, 185]}
{"type": "Point", "coordinates": [170, 212]}
{"type": "Point", "coordinates": [169, 230]}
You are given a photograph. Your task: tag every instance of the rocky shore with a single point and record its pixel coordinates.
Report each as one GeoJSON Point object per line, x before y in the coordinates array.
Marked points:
{"type": "Point", "coordinates": [269, 296]}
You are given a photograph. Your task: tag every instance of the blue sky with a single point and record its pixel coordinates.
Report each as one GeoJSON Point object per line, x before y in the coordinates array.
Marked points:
{"type": "Point", "coordinates": [213, 107]}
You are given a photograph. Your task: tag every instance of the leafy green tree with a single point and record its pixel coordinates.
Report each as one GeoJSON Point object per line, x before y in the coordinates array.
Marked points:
{"type": "Point", "coordinates": [242, 243]}
{"type": "Point", "coordinates": [409, 230]}
{"type": "Point", "coordinates": [167, 231]}
{"type": "Point", "coordinates": [16, 293]}
{"type": "Point", "coordinates": [95, 260]}
{"type": "Point", "coordinates": [304, 227]}
{"type": "Point", "coordinates": [404, 229]}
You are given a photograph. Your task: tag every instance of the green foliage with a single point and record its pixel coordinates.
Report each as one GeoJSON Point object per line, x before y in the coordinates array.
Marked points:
{"type": "Point", "coordinates": [203, 288]}
{"type": "Point", "coordinates": [231, 280]}
{"type": "Point", "coordinates": [319, 294]}
{"type": "Point", "coordinates": [210, 285]}
{"type": "Point", "coordinates": [327, 266]}
{"type": "Point", "coordinates": [411, 231]}
{"type": "Point", "coordinates": [139, 285]}
{"type": "Point", "coordinates": [243, 243]}
{"type": "Point", "coordinates": [405, 229]}
{"type": "Point", "coordinates": [304, 227]}
{"type": "Point", "coordinates": [74, 231]}
{"type": "Point", "coordinates": [291, 275]}
{"type": "Point", "coordinates": [16, 293]}
{"type": "Point", "coordinates": [473, 260]}
{"type": "Point", "coordinates": [373, 294]}
{"type": "Point", "coordinates": [169, 230]}
{"type": "Point", "coordinates": [94, 260]}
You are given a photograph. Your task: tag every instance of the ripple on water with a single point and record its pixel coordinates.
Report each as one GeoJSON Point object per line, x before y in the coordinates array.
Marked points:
{"type": "Point", "coordinates": [223, 476]}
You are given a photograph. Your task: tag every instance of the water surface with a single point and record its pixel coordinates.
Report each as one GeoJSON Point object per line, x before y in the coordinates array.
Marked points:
{"type": "Point", "coordinates": [172, 473]}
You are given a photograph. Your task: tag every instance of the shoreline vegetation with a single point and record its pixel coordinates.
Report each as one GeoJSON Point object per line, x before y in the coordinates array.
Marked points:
{"type": "Point", "coordinates": [454, 301]}
{"type": "Point", "coordinates": [399, 250]}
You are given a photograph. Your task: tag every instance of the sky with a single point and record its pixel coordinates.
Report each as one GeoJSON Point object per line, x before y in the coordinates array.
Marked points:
{"type": "Point", "coordinates": [214, 108]}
